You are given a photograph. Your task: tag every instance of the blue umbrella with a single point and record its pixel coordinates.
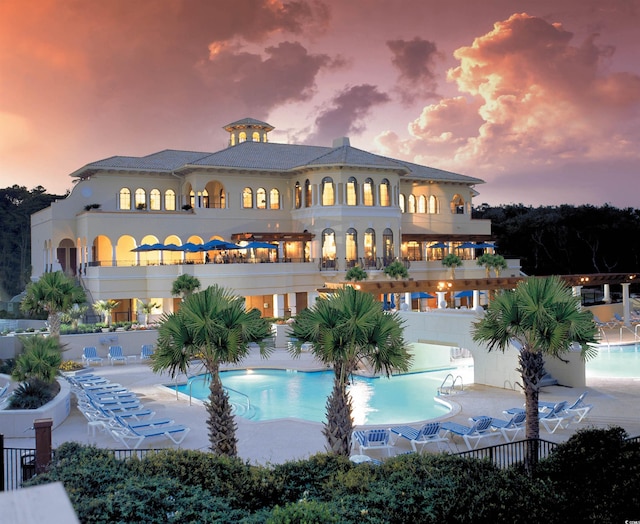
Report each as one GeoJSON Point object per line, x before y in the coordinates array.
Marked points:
{"type": "Point", "coordinates": [467, 245]}
{"type": "Point", "coordinates": [466, 294]}
{"type": "Point", "coordinates": [421, 294]}
{"type": "Point", "coordinates": [191, 247]}
{"type": "Point", "coordinates": [260, 245]}
{"type": "Point", "coordinates": [438, 245]}
{"type": "Point", "coordinates": [144, 247]}
{"type": "Point", "coordinates": [220, 245]}
{"type": "Point", "coordinates": [171, 247]}
{"type": "Point", "coordinates": [485, 245]}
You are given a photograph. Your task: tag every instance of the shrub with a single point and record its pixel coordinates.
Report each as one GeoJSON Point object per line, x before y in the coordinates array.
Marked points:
{"type": "Point", "coordinates": [33, 394]}
{"type": "Point", "coordinates": [7, 366]}
{"type": "Point", "coordinates": [304, 511]}
{"type": "Point", "coordinates": [40, 358]}
{"type": "Point", "coordinates": [70, 365]}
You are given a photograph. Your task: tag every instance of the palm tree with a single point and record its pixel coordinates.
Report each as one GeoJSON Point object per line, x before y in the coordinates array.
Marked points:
{"type": "Point", "coordinates": [499, 264]}
{"type": "Point", "coordinates": [53, 293]}
{"type": "Point", "coordinates": [106, 307]}
{"type": "Point", "coordinates": [542, 319]}
{"type": "Point", "coordinates": [486, 260]}
{"type": "Point", "coordinates": [345, 329]}
{"type": "Point", "coordinates": [185, 285]}
{"type": "Point", "coordinates": [40, 358]}
{"type": "Point", "coordinates": [214, 327]}
{"type": "Point", "coordinates": [452, 261]}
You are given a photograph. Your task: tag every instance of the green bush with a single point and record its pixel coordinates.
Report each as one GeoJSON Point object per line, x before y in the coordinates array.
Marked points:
{"type": "Point", "coordinates": [303, 512]}
{"type": "Point", "coordinates": [7, 366]}
{"type": "Point", "coordinates": [40, 358]}
{"type": "Point", "coordinates": [32, 394]}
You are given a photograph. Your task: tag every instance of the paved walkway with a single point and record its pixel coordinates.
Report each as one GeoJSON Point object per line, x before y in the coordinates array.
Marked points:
{"type": "Point", "coordinates": [615, 401]}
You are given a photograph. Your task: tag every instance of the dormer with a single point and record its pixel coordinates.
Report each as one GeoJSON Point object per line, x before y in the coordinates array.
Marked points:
{"type": "Point", "coordinates": [247, 130]}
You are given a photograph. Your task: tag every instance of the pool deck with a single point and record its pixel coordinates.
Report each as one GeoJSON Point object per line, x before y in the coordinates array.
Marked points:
{"type": "Point", "coordinates": [615, 403]}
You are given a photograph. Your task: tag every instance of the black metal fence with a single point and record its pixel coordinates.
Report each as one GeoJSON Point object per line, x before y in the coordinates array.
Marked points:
{"type": "Point", "coordinates": [16, 465]}
{"type": "Point", "coordinates": [511, 453]}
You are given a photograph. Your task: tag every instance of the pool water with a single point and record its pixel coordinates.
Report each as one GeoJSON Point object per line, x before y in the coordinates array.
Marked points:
{"type": "Point", "coordinates": [276, 394]}
{"type": "Point", "coordinates": [616, 361]}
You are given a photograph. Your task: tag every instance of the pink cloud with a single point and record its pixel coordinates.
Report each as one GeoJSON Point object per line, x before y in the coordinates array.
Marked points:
{"type": "Point", "coordinates": [415, 61]}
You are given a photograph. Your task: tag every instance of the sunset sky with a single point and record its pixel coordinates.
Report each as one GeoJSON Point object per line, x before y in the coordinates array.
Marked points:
{"type": "Point", "coordinates": [539, 98]}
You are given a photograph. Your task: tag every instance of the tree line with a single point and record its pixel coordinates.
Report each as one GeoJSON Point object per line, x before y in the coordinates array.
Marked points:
{"type": "Point", "coordinates": [563, 240]}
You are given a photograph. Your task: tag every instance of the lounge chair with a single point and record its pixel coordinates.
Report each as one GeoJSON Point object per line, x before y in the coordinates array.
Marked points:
{"type": "Point", "coordinates": [115, 355]}
{"type": "Point", "coordinates": [174, 432]}
{"type": "Point", "coordinates": [146, 351]}
{"type": "Point", "coordinates": [373, 439]}
{"type": "Point", "coordinates": [601, 324]}
{"type": "Point", "coordinates": [513, 426]}
{"type": "Point", "coordinates": [428, 433]}
{"type": "Point", "coordinates": [4, 389]}
{"type": "Point", "coordinates": [579, 409]}
{"type": "Point", "coordinates": [479, 430]}
{"type": "Point", "coordinates": [90, 355]}
{"type": "Point", "coordinates": [556, 418]}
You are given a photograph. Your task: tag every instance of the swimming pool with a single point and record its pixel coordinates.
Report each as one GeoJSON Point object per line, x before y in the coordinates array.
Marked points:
{"type": "Point", "coordinates": [616, 361]}
{"type": "Point", "coordinates": [276, 394]}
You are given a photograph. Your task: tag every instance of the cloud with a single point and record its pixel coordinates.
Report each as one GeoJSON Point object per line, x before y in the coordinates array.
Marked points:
{"type": "Point", "coordinates": [414, 60]}
{"type": "Point", "coordinates": [345, 113]}
{"type": "Point", "coordinates": [532, 98]}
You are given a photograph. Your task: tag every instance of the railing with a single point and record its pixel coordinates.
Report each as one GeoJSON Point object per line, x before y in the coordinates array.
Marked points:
{"type": "Point", "coordinates": [442, 390]}
{"type": "Point", "coordinates": [511, 453]}
{"type": "Point", "coordinates": [16, 466]}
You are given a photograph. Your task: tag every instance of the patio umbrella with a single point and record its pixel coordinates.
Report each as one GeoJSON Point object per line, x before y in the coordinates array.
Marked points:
{"type": "Point", "coordinates": [144, 247]}
{"type": "Point", "coordinates": [220, 245]}
{"type": "Point", "coordinates": [190, 247]}
{"type": "Point", "coordinates": [421, 294]}
{"type": "Point", "coordinates": [438, 245]}
{"type": "Point", "coordinates": [466, 294]}
{"type": "Point", "coordinates": [485, 245]}
{"type": "Point", "coordinates": [467, 245]}
{"type": "Point", "coordinates": [171, 247]}
{"type": "Point", "coordinates": [260, 245]}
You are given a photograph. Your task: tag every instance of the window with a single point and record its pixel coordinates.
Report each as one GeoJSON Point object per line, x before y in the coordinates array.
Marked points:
{"type": "Point", "coordinates": [385, 193]}
{"type": "Point", "coordinates": [328, 248]}
{"type": "Point", "coordinates": [352, 247]}
{"type": "Point", "coordinates": [140, 198]}
{"type": "Point", "coordinates": [154, 199]}
{"type": "Point", "coordinates": [274, 199]}
{"type": "Point", "coordinates": [192, 199]}
{"type": "Point", "coordinates": [412, 204]}
{"type": "Point", "coordinates": [297, 195]}
{"type": "Point", "coordinates": [255, 137]}
{"type": "Point", "coordinates": [307, 193]}
{"type": "Point", "coordinates": [204, 196]}
{"type": "Point", "coordinates": [367, 190]}
{"type": "Point", "coordinates": [125, 198]}
{"type": "Point", "coordinates": [370, 247]}
{"type": "Point", "coordinates": [242, 137]}
{"type": "Point", "coordinates": [352, 192]}
{"type": "Point", "coordinates": [422, 204]}
{"type": "Point", "coordinates": [457, 205]}
{"type": "Point", "coordinates": [433, 205]}
{"type": "Point", "coordinates": [402, 203]}
{"type": "Point", "coordinates": [261, 198]}
{"type": "Point", "coordinates": [387, 241]}
{"type": "Point", "coordinates": [233, 139]}
{"type": "Point", "coordinates": [328, 192]}
{"type": "Point", "coordinates": [170, 200]}
{"type": "Point", "coordinates": [247, 198]}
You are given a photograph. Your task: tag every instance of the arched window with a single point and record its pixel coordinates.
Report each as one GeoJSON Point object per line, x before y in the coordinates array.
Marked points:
{"type": "Point", "coordinates": [387, 241]}
{"type": "Point", "coordinates": [140, 198]}
{"type": "Point", "coordinates": [352, 192]}
{"type": "Point", "coordinates": [402, 203]}
{"type": "Point", "coordinates": [192, 199]}
{"type": "Point", "coordinates": [457, 205]}
{"type": "Point", "coordinates": [385, 193]}
{"type": "Point", "coordinates": [256, 136]}
{"type": "Point", "coordinates": [205, 198]}
{"type": "Point", "coordinates": [412, 204]}
{"type": "Point", "coordinates": [261, 198]}
{"type": "Point", "coordinates": [433, 205]}
{"type": "Point", "coordinates": [214, 195]}
{"type": "Point", "coordinates": [242, 137]}
{"type": "Point", "coordinates": [297, 195]}
{"type": "Point", "coordinates": [154, 199]}
{"type": "Point", "coordinates": [328, 192]}
{"type": "Point", "coordinates": [328, 248]}
{"type": "Point", "coordinates": [247, 198]}
{"type": "Point", "coordinates": [422, 204]}
{"type": "Point", "coordinates": [307, 193]}
{"type": "Point", "coordinates": [125, 198]}
{"type": "Point", "coordinates": [370, 247]}
{"type": "Point", "coordinates": [367, 192]}
{"type": "Point", "coordinates": [351, 247]}
{"type": "Point", "coordinates": [233, 139]}
{"type": "Point", "coordinates": [170, 200]}
{"type": "Point", "coordinates": [274, 199]}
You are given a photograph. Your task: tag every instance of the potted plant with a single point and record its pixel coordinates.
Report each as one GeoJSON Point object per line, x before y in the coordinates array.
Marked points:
{"type": "Point", "coordinates": [146, 308]}
{"type": "Point", "coordinates": [106, 307]}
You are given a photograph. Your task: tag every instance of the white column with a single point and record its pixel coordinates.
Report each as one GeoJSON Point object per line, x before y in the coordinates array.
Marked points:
{"type": "Point", "coordinates": [278, 305]}
{"type": "Point", "coordinates": [442, 301]}
{"type": "Point", "coordinates": [292, 303]}
{"type": "Point", "coordinates": [626, 304]}
{"type": "Point", "coordinates": [476, 299]}
{"type": "Point", "coordinates": [607, 294]}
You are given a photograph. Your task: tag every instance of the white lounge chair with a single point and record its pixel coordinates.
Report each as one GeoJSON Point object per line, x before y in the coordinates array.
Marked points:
{"type": "Point", "coordinates": [90, 355]}
{"type": "Point", "coordinates": [146, 351]}
{"type": "Point", "coordinates": [116, 355]}
{"type": "Point", "coordinates": [579, 409]}
{"type": "Point", "coordinates": [428, 433]}
{"type": "Point", "coordinates": [174, 432]}
{"type": "Point", "coordinates": [373, 439]}
{"type": "Point", "coordinates": [478, 431]}
{"type": "Point", "coordinates": [510, 427]}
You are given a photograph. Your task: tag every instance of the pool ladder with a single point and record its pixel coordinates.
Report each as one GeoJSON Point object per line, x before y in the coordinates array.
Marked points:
{"type": "Point", "coordinates": [236, 406]}
{"type": "Point", "coordinates": [446, 389]}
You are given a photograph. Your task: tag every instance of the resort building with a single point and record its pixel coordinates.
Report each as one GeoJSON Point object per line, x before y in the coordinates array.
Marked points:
{"type": "Point", "coordinates": [272, 222]}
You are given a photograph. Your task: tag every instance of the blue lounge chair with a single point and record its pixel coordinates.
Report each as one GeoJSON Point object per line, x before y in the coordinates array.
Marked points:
{"type": "Point", "coordinates": [512, 426]}
{"type": "Point", "coordinates": [174, 432]}
{"type": "Point", "coordinates": [146, 351]}
{"type": "Point", "coordinates": [430, 432]}
{"type": "Point", "coordinates": [373, 439]}
{"type": "Point", "coordinates": [554, 418]}
{"type": "Point", "coordinates": [601, 324]}
{"type": "Point", "coordinates": [579, 409]}
{"type": "Point", "coordinates": [115, 355]}
{"type": "Point", "coordinates": [479, 430]}
{"type": "Point", "coordinates": [90, 355]}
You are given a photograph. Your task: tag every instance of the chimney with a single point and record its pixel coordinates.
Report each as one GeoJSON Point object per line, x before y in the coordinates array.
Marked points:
{"type": "Point", "coordinates": [341, 142]}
